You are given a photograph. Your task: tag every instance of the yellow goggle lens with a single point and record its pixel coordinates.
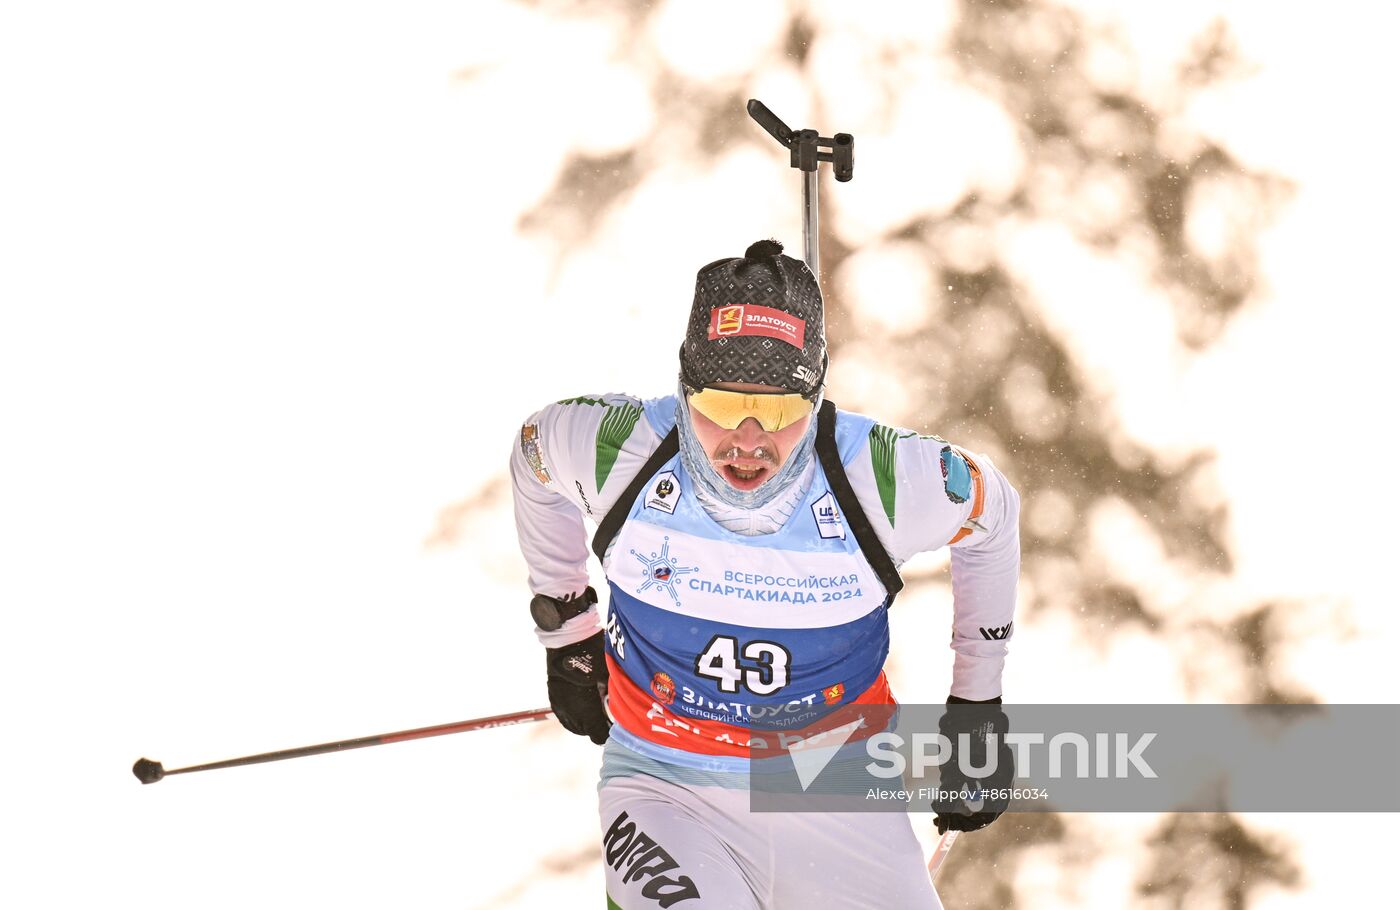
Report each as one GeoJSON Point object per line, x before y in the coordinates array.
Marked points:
{"type": "Point", "coordinates": [773, 410]}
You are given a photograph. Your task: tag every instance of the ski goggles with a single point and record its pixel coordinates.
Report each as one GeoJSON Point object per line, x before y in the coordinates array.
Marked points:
{"type": "Point", "coordinates": [773, 410]}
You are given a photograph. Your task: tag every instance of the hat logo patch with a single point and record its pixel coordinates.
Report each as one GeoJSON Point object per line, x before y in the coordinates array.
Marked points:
{"type": "Point", "coordinates": [748, 319]}
{"type": "Point", "coordinates": [729, 320]}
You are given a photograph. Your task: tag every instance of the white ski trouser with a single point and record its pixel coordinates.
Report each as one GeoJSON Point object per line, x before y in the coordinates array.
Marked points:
{"type": "Point", "coordinates": [700, 848]}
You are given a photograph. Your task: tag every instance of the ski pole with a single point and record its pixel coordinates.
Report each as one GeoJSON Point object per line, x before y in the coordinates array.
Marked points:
{"type": "Point", "coordinates": [148, 771]}
{"type": "Point", "coordinates": [940, 853]}
{"type": "Point", "coordinates": [806, 149]}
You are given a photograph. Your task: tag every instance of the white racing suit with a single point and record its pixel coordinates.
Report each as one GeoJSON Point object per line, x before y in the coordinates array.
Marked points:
{"type": "Point", "coordinates": [708, 619]}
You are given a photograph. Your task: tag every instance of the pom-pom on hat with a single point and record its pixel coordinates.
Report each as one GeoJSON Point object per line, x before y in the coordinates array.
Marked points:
{"type": "Point", "coordinates": [756, 319]}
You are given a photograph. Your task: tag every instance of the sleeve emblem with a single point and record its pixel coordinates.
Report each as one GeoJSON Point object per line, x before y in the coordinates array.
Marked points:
{"type": "Point", "coordinates": [957, 477]}
{"type": "Point", "coordinates": [534, 454]}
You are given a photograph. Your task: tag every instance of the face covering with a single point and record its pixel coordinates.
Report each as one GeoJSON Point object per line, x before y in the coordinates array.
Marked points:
{"type": "Point", "coordinates": [697, 463]}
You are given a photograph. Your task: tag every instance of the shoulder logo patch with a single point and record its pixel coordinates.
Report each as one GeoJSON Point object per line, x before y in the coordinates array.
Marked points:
{"type": "Point", "coordinates": [534, 454]}
{"type": "Point", "coordinates": [828, 517]}
{"type": "Point", "coordinates": [664, 493]}
{"type": "Point", "coordinates": [957, 476]}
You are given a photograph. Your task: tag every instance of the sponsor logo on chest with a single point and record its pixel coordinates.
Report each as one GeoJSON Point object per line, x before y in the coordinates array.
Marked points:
{"type": "Point", "coordinates": [662, 571]}
{"type": "Point", "coordinates": [828, 517]}
{"type": "Point", "coordinates": [664, 493]}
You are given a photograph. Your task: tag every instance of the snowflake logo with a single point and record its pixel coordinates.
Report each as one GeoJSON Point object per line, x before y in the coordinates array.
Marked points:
{"type": "Point", "coordinates": [662, 570]}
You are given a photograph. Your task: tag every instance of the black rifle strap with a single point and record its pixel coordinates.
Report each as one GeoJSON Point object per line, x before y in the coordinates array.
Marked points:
{"type": "Point", "coordinates": [612, 522]}
{"type": "Point", "coordinates": [851, 511]}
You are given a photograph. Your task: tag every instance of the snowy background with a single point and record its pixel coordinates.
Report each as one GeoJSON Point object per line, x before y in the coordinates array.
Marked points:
{"type": "Point", "coordinates": [280, 280]}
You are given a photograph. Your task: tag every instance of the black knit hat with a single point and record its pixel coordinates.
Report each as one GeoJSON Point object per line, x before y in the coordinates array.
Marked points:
{"type": "Point", "coordinates": [757, 319]}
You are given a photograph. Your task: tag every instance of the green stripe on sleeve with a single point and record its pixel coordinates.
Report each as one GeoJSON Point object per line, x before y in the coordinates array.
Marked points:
{"type": "Point", "coordinates": [882, 453]}
{"type": "Point", "coordinates": [612, 433]}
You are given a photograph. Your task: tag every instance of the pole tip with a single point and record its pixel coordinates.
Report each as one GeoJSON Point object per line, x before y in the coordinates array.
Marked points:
{"type": "Point", "coordinates": [147, 771]}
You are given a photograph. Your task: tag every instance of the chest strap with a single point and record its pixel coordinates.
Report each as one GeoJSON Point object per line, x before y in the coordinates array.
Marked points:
{"type": "Point", "coordinates": [612, 522]}
{"type": "Point", "coordinates": [851, 512]}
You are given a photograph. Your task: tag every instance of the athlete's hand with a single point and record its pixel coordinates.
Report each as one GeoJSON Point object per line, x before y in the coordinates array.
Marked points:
{"type": "Point", "coordinates": [976, 720]}
{"type": "Point", "coordinates": [578, 680]}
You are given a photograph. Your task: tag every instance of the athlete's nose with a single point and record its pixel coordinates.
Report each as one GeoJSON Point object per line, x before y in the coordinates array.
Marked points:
{"type": "Point", "coordinates": [750, 434]}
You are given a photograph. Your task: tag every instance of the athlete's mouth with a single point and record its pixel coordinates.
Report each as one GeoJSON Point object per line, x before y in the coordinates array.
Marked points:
{"type": "Point", "coordinates": [745, 478]}
{"type": "Point", "coordinates": [745, 470]}
{"type": "Point", "coordinates": [746, 475]}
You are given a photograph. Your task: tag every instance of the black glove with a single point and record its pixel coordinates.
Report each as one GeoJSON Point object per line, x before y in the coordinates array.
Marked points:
{"type": "Point", "coordinates": [977, 719]}
{"type": "Point", "coordinates": [578, 680]}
